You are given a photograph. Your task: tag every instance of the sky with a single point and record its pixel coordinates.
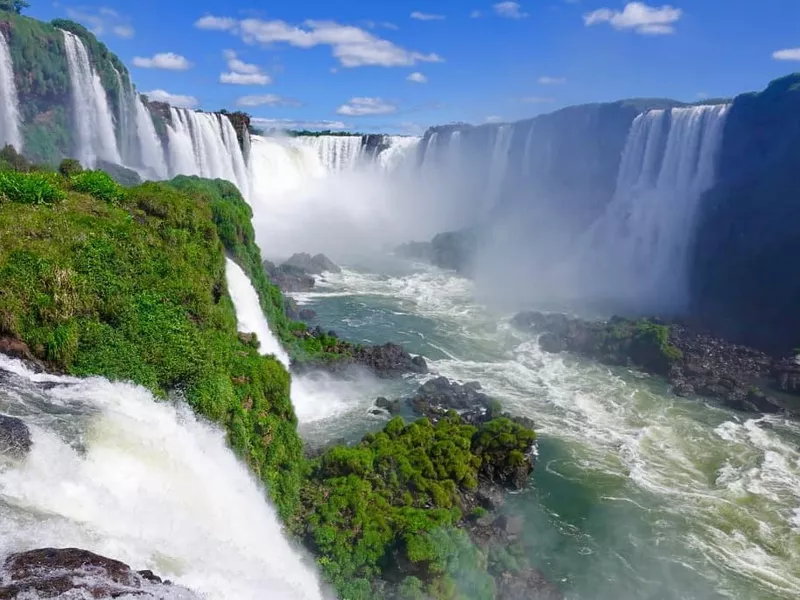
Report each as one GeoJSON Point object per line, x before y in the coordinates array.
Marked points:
{"type": "Point", "coordinates": [401, 66]}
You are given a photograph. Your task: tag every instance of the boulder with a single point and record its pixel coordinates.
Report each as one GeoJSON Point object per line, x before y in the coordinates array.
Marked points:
{"type": "Point", "coordinates": [290, 279]}
{"type": "Point", "coordinates": [71, 572]}
{"type": "Point", "coordinates": [307, 314]}
{"type": "Point", "coordinates": [15, 437]}
{"type": "Point", "coordinates": [314, 265]}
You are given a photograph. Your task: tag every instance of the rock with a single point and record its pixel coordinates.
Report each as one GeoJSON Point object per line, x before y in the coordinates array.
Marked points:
{"type": "Point", "coordinates": [122, 175]}
{"type": "Point", "coordinates": [550, 342]}
{"type": "Point", "coordinates": [291, 308]}
{"type": "Point", "coordinates": [290, 279]}
{"type": "Point", "coordinates": [490, 498]}
{"type": "Point", "coordinates": [437, 396]}
{"type": "Point", "coordinates": [15, 348]}
{"type": "Point", "coordinates": [386, 361]}
{"type": "Point", "coordinates": [307, 314]}
{"type": "Point", "coordinates": [314, 265]}
{"type": "Point", "coordinates": [15, 437]}
{"type": "Point", "coordinates": [512, 525]}
{"type": "Point", "coordinates": [70, 572]}
{"type": "Point", "coordinates": [528, 584]}
{"type": "Point", "coordinates": [786, 374]}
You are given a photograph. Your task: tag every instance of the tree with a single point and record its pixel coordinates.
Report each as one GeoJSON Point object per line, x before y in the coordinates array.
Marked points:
{"type": "Point", "coordinates": [16, 6]}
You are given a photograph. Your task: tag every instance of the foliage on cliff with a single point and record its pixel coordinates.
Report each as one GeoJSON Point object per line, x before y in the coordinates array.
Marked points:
{"type": "Point", "coordinates": [388, 508]}
{"type": "Point", "coordinates": [41, 75]}
{"type": "Point", "coordinates": [130, 284]}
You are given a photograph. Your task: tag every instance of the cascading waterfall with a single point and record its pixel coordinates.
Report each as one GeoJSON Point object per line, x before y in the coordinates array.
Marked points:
{"type": "Point", "coordinates": [336, 152]}
{"type": "Point", "coordinates": [9, 100]}
{"type": "Point", "coordinates": [498, 165]}
{"type": "Point", "coordinates": [151, 157]}
{"type": "Point", "coordinates": [205, 144]}
{"type": "Point", "coordinates": [644, 238]}
{"type": "Point", "coordinates": [118, 473]}
{"type": "Point", "coordinates": [126, 126]}
{"type": "Point", "coordinates": [94, 124]}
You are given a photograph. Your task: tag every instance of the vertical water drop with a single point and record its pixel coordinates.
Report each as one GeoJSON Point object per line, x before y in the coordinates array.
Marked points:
{"type": "Point", "coordinates": [9, 100]}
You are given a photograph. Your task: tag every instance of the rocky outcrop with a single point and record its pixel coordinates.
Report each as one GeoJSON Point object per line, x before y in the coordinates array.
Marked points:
{"type": "Point", "coordinates": [241, 124]}
{"type": "Point", "coordinates": [15, 438]}
{"type": "Point", "coordinates": [313, 265]}
{"type": "Point", "coordinates": [74, 573]}
{"type": "Point", "coordinates": [290, 279]}
{"type": "Point", "coordinates": [122, 175]}
{"type": "Point", "coordinates": [454, 250]}
{"type": "Point", "coordinates": [696, 363]}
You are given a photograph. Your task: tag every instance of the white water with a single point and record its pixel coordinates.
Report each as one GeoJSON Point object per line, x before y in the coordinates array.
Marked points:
{"type": "Point", "coordinates": [126, 126]}
{"type": "Point", "coordinates": [335, 152]}
{"type": "Point", "coordinates": [93, 122]}
{"type": "Point", "coordinates": [152, 156]}
{"type": "Point", "coordinates": [644, 238]}
{"type": "Point", "coordinates": [205, 144]}
{"type": "Point", "coordinates": [9, 100]}
{"type": "Point", "coordinates": [118, 473]}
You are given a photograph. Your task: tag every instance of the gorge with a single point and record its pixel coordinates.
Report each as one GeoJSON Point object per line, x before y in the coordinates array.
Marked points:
{"type": "Point", "coordinates": [153, 354]}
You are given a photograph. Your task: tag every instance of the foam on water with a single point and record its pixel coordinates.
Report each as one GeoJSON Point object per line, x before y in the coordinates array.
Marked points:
{"type": "Point", "coordinates": [146, 483]}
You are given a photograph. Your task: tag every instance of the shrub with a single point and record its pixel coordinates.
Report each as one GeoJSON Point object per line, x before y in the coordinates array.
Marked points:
{"type": "Point", "coordinates": [30, 188]}
{"type": "Point", "coordinates": [12, 160]}
{"type": "Point", "coordinates": [98, 184]}
{"type": "Point", "coordinates": [70, 167]}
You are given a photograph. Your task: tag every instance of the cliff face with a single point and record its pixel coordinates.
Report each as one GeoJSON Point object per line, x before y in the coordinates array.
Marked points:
{"type": "Point", "coordinates": [41, 75]}
{"type": "Point", "coordinates": [745, 284]}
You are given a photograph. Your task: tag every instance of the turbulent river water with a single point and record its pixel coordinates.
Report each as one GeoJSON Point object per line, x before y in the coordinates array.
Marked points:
{"type": "Point", "coordinates": [638, 494]}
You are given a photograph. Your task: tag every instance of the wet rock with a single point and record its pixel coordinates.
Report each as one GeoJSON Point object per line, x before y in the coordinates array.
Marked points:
{"type": "Point", "coordinates": [307, 314]}
{"type": "Point", "coordinates": [786, 374]}
{"type": "Point", "coordinates": [15, 348]}
{"type": "Point", "coordinates": [390, 406]}
{"type": "Point", "coordinates": [15, 437]}
{"type": "Point", "coordinates": [314, 265]}
{"type": "Point", "coordinates": [290, 279]}
{"type": "Point", "coordinates": [527, 584]}
{"type": "Point", "coordinates": [511, 525]}
{"type": "Point", "coordinates": [490, 498]}
{"type": "Point", "coordinates": [437, 396]}
{"type": "Point", "coordinates": [71, 572]}
{"type": "Point", "coordinates": [550, 342]}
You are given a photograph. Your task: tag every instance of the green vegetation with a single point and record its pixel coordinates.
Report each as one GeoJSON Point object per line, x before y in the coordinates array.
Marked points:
{"type": "Point", "coordinates": [16, 6]}
{"type": "Point", "coordinates": [130, 284]}
{"type": "Point", "coordinates": [70, 167]}
{"type": "Point", "coordinates": [389, 507]}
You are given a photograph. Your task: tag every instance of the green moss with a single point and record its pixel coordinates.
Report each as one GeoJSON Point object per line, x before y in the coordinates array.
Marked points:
{"type": "Point", "coordinates": [132, 286]}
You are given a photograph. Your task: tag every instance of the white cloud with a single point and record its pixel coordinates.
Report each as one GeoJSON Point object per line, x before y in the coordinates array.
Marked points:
{"type": "Point", "coordinates": [163, 60]}
{"type": "Point", "coordinates": [292, 124]}
{"type": "Point", "coordinates": [417, 77]}
{"type": "Point", "coordinates": [494, 119]}
{"type": "Point", "coordinates": [361, 106]}
{"type": "Point", "coordinates": [388, 25]}
{"type": "Point", "coordinates": [266, 100]}
{"type": "Point", "coordinates": [510, 10]}
{"type": "Point", "coordinates": [245, 78]}
{"type": "Point", "coordinates": [242, 73]}
{"type": "Point", "coordinates": [421, 16]}
{"type": "Point", "coordinates": [537, 99]}
{"type": "Point", "coordinates": [787, 54]}
{"type": "Point", "coordinates": [173, 99]}
{"type": "Point", "coordinates": [350, 45]}
{"type": "Point", "coordinates": [216, 23]}
{"type": "Point", "coordinates": [545, 80]}
{"type": "Point", "coordinates": [638, 16]}
{"type": "Point", "coordinates": [102, 21]}
{"type": "Point", "coordinates": [476, 14]}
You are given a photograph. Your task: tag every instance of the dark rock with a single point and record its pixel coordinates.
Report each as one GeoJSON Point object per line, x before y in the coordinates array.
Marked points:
{"type": "Point", "coordinates": [290, 279]}
{"type": "Point", "coordinates": [15, 348]}
{"type": "Point", "coordinates": [390, 406]}
{"type": "Point", "coordinates": [528, 584]}
{"type": "Point", "coordinates": [786, 374]}
{"type": "Point", "coordinates": [314, 265]}
{"type": "Point", "coordinates": [290, 307]}
{"type": "Point", "coordinates": [511, 525]}
{"type": "Point", "coordinates": [56, 573]}
{"type": "Point", "coordinates": [550, 342]}
{"type": "Point", "coordinates": [490, 498]}
{"type": "Point", "coordinates": [15, 437]}
{"type": "Point", "coordinates": [122, 175]}
{"type": "Point", "coordinates": [307, 314]}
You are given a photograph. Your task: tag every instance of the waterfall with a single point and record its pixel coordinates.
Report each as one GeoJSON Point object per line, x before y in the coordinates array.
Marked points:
{"type": "Point", "coordinates": [498, 165]}
{"type": "Point", "coordinates": [151, 155]}
{"type": "Point", "coordinates": [94, 125]}
{"type": "Point", "coordinates": [336, 152]}
{"type": "Point", "coordinates": [402, 148]}
{"type": "Point", "coordinates": [9, 101]}
{"type": "Point", "coordinates": [116, 472]}
{"type": "Point", "coordinates": [205, 144]}
{"type": "Point", "coordinates": [642, 242]}
{"type": "Point", "coordinates": [126, 130]}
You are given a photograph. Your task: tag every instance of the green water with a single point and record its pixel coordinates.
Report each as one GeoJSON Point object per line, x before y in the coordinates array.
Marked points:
{"type": "Point", "coordinates": [637, 494]}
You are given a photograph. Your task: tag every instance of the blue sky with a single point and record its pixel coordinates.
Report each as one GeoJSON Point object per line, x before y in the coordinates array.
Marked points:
{"type": "Point", "coordinates": [403, 65]}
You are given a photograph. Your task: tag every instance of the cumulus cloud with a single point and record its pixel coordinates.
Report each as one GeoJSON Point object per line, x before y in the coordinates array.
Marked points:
{"type": "Point", "coordinates": [102, 20]}
{"type": "Point", "coordinates": [292, 124]}
{"type": "Point", "coordinates": [639, 17]}
{"type": "Point", "coordinates": [510, 10]}
{"type": "Point", "coordinates": [362, 106]}
{"type": "Point", "coordinates": [266, 100]}
{"type": "Point", "coordinates": [545, 80]}
{"type": "Point", "coordinates": [242, 73]}
{"type": "Point", "coordinates": [163, 60]}
{"type": "Point", "coordinates": [350, 45]}
{"type": "Point", "coordinates": [417, 77]}
{"type": "Point", "coordinates": [173, 99]}
{"type": "Point", "coordinates": [787, 54]}
{"type": "Point", "coordinates": [421, 16]}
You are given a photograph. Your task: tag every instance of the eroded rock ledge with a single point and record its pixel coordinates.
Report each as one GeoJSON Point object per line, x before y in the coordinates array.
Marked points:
{"type": "Point", "coordinates": [75, 573]}
{"type": "Point", "coordinates": [695, 363]}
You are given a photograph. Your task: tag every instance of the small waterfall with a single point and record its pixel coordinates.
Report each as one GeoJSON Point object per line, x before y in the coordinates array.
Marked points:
{"type": "Point", "coordinates": [9, 100]}
{"type": "Point", "coordinates": [116, 472]}
{"type": "Point", "coordinates": [126, 131]}
{"type": "Point", "coordinates": [151, 156]}
{"type": "Point", "coordinates": [336, 152]}
{"type": "Point", "coordinates": [499, 165]}
{"type": "Point", "coordinates": [644, 237]}
{"type": "Point", "coordinates": [205, 144]}
{"type": "Point", "coordinates": [401, 150]}
{"type": "Point", "coordinates": [94, 124]}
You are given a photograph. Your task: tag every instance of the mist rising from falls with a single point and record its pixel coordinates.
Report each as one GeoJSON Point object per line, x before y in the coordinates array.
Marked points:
{"type": "Point", "coordinates": [641, 244]}
{"type": "Point", "coordinates": [118, 473]}
{"type": "Point", "coordinates": [93, 123]}
{"type": "Point", "coordinates": [9, 100]}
